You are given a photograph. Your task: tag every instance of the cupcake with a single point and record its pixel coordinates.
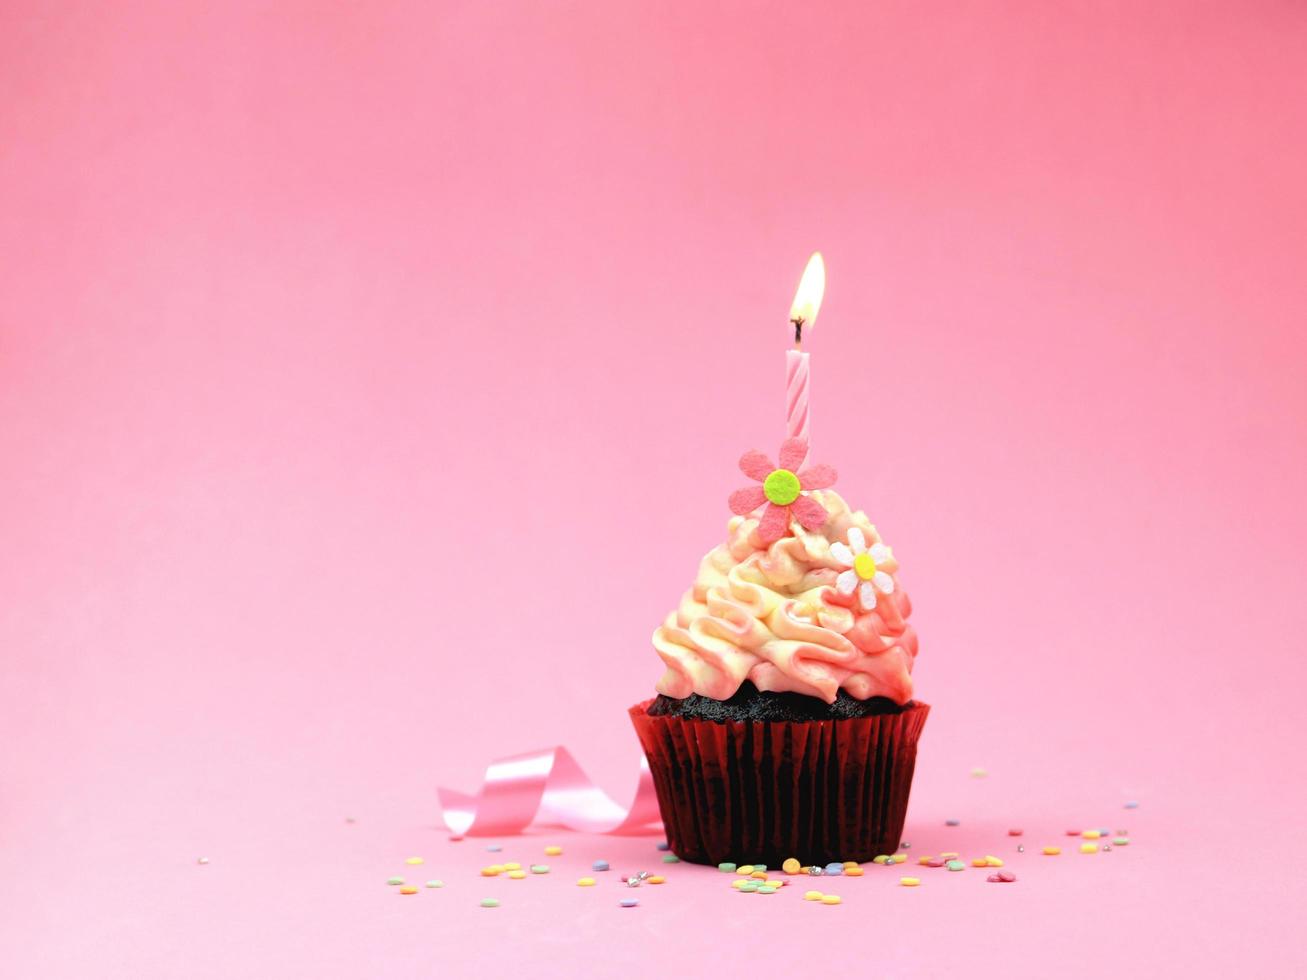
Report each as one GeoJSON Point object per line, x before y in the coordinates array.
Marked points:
{"type": "Point", "coordinates": [784, 724]}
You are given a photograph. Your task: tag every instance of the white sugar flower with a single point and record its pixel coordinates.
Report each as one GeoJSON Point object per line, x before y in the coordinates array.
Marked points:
{"type": "Point", "coordinates": [861, 573]}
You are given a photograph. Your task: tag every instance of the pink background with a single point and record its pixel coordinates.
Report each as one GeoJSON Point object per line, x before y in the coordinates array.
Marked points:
{"type": "Point", "coordinates": [372, 378]}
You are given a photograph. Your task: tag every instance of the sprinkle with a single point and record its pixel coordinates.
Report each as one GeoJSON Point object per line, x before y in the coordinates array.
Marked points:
{"type": "Point", "coordinates": [760, 867]}
{"type": "Point", "coordinates": [766, 889]}
{"type": "Point", "coordinates": [1073, 833]}
{"type": "Point", "coordinates": [1091, 834]}
{"type": "Point", "coordinates": [671, 859]}
{"type": "Point", "coordinates": [494, 869]}
{"type": "Point", "coordinates": [993, 862]}
{"type": "Point", "coordinates": [952, 822]}
{"type": "Point", "coordinates": [830, 900]}
{"type": "Point", "coordinates": [880, 859]}
{"type": "Point", "coordinates": [1015, 833]}
{"type": "Point", "coordinates": [1052, 851]}
{"type": "Point", "coordinates": [898, 859]}
{"type": "Point", "coordinates": [979, 773]}
{"type": "Point", "coordinates": [979, 863]}
{"type": "Point", "coordinates": [745, 869]}
{"type": "Point", "coordinates": [517, 875]}
{"type": "Point", "coordinates": [662, 845]}
{"type": "Point", "coordinates": [834, 868]}
{"type": "Point", "coordinates": [599, 866]}
{"type": "Point", "coordinates": [816, 871]}
{"type": "Point", "coordinates": [1021, 848]}
{"type": "Point", "coordinates": [540, 869]}
{"type": "Point", "coordinates": [855, 871]}
{"type": "Point", "coordinates": [585, 882]}
{"type": "Point", "coordinates": [394, 881]}
{"type": "Point", "coordinates": [925, 859]}
{"type": "Point", "coordinates": [956, 866]}
{"type": "Point", "coordinates": [934, 863]}
{"type": "Point", "coordinates": [656, 879]}
{"type": "Point", "coordinates": [490, 903]}
{"type": "Point", "coordinates": [947, 855]}
{"type": "Point", "coordinates": [1103, 831]}
{"type": "Point", "coordinates": [749, 887]}
{"type": "Point", "coordinates": [904, 845]}
{"type": "Point", "coordinates": [726, 867]}
{"type": "Point", "coordinates": [791, 866]}
{"type": "Point", "coordinates": [812, 896]}
{"type": "Point", "coordinates": [201, 860]}
{"type": "Point", "coordinates": [408, 890]}
{"type": "Point", "coordinates": [909, 882]}
{"type": "Point", "coordinates": [1088, 848]}
{"type": "Point", "coordinates": [512, 866]}
{"type": "Point", "coordinates": [553, 850]}
{"type": "Point", "coordinates": [494, 847]}
{"type": "Point", "coordinates": [1107, 847]}
{"type": "Point", "coordinates": [850, 864]}
{"type": "Point", "coordinates": [1132, 804]}
{"type": "Point", "coordinates": [413, 860]}
{"type": "Point", "coordinates": [629, 903]}
{"type": "Point", "coordinates": [760, 875]}
{"type": "Point", "coordinates": [1120, 841]}
{"type": "Point", "coordinates": [435, 883]}
{"type": "Point", "coordinates": [1002, 876]}
{"type": "Point", "coordinates": [739, 882]}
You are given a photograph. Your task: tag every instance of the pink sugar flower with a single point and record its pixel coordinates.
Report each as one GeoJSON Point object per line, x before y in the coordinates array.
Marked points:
{"type": "Point", "coordinates": [782, 490]}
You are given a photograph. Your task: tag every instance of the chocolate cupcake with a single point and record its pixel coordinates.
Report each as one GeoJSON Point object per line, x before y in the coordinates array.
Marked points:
{"type": "Point", "coordinates": [784, 724]}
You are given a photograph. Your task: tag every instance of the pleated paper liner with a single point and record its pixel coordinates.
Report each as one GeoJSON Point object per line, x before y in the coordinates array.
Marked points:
{"type": "Point", "coordinates": [764, 791]}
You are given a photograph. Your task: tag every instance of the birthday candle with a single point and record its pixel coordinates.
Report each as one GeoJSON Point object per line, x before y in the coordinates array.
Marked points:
{"type": "Point", "coordinates": [803, 313]}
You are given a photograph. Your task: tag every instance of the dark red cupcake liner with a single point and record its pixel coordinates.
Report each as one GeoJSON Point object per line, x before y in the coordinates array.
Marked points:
{"type": "Point", "coordinates": [764, 791]}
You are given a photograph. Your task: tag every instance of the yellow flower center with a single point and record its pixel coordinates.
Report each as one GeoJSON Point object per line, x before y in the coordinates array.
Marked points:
{"type": "Point", "coordinates": [781, 487]}
{"type": "Point", "coordinates": [864, 566]}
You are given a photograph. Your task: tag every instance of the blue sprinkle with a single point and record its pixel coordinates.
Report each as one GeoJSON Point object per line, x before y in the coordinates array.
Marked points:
{"type": "Point", "coordinates": [1103, 831]}
{"type": "Point", "coordinates": [494, 847]}
{"type": "Point", "coordinates": [1132, 804]}
{"type": "Point", "coordinates": [664, 846]}
{"type": "Point", "coordinates": [630, 903]}
{"type": "Point", "coordinates": [952, 823]}
{"type": "Point", "coordinates": [600, 865]}
{"type": "Point", "coordinates": [835, 868]}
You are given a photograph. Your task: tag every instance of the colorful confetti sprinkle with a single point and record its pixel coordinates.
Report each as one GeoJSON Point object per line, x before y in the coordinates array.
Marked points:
{"type": "Point", "coordinates": [408, 890]}
{"type": "Point", "coordinates": [726, 867]}
{"type": "Point", "coordinates": [830, 900]}
{"type": "Point", "coordinates": [599, 866]}
{"type": "Point", "coordinates": [585, 882]}
{"type": "Point", "coordinates": [553, 850]}
{"type": "Point", "coordinates": [629, 903]}
{"type": "Point", "coordinates": [490, 903]}
{"type": "Point", "coordinates": [540, 869]}
{"type": "Point", "coordinates": [435, 883]}
{"type": "Point", "coordinates": [413, 860]}
{"type": "Point", "coordinates": [671, 859]}
{"type": "Point", "coordinates": [791, 866]}
{"type": "Point", "coordinates": [394, 881]}
{"type": "Point", "coordinates": [1052, 851]}
{"type": "Point", "coordinates": [909, 882]}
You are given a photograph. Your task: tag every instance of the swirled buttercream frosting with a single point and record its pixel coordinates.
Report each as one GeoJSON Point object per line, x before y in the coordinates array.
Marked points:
{"type": "Point", "coordinates": [780, 616]}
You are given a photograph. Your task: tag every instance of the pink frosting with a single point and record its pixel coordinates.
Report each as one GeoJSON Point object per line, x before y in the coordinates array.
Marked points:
{"type": "Point", "coordinates": [772, 615]}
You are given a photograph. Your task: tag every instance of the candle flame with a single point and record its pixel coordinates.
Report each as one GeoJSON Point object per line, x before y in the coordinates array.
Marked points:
{"type": "Point", "coordinates": [807, 298]}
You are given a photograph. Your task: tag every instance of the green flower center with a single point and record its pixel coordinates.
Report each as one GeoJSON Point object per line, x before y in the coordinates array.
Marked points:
{"type": "Point", "coordinates": [781, 487]}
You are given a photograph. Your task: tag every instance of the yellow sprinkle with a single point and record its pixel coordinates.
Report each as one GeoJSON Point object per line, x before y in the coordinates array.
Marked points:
{"type": "Point", "coordinates": [925, 859]}
{"type": "Point", "coordinates": [830, 900]}
{"type": "Point", "coordinates": [656, 879]}
{"type": "Point", "coordinates": [744, 869]}
{"type": "Point", "coordinates": [880, 859]}
{"type": "Point", "coordinates": [512, 866]}
{"type": "Point", "coordinates": [854, 872]}
{"type": "Point", "coordinates": [948, 855]}
{"type": "Point", "coordinates": [1088, 848]}
{"type": "Point", "coordinates": [759, 874]}
{"type": "Point", "coordinates": [412, 860]}
{"type": "Point", "coordinates": [1090, 834]}
{"type": "Point", "coordinates": [553, 850]}
{"type": "Point", "coordinates": [979, 863]}
{"type": "Point", "coordinates": [585, 882]}
{"type": "Point", "coordinates": [408, 890]}
{"type": "Point", "coordinates": [910, 882]}
{"type": "Point", "coordinates": [739, 882]}
{"type": "Point", "coordinates": [899, 858]}
{"type": "Point", "coordinates": [791, 866]}
{"type": "Point", "coordinates": [491, 871]}
{"type": "Point", "coordinates": [993, 862]}
{"type": "Point", "coordinates": [812, 896]}
{"type": "Point", "coordinates": [517, 875]}
{"type": "Point", "coordinates": [1052, 851]}
{"type": "Point", "coordinates": [850, 864]}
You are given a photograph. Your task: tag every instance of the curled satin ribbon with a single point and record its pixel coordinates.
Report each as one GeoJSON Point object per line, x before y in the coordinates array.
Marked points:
{"type": "Point", "coordinates": [546, 787]}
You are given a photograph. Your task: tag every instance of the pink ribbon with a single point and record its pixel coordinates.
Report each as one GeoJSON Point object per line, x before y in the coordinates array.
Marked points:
{"type": "Point", "coordinates": [546, 788]}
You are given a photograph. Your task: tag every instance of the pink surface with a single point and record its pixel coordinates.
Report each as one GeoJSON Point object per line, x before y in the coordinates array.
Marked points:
{"type": "Point", "coordinates": [372, 378]}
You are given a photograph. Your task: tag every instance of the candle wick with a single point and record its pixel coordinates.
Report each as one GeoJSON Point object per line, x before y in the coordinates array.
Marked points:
{"type": "Point", "coordinates": [798, 330]}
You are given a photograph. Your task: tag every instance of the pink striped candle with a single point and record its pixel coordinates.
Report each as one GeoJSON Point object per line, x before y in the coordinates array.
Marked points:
{"type": "Point", "coordinates": [803, 313]}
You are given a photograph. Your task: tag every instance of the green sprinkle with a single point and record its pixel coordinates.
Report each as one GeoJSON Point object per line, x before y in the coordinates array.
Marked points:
{"type": "Point", "coordinates": [766, 889]}
{"type": "Point", "coordinates": [1120, 841]}
{"type": "Point", "coordinates": [540, 869]}
{"type": "Point", "coordinates": [490, 903]}
{"type": "Point", "coordinates": [956, 866]}
{"type": "Point", "coordinates": [726, 866]}
{"type": "Point", "coordinates": [435, 883]}
{"type": "Point", "coordinates": [394, 881]}
{"type": "Point", "coordinates": [671, 859]}
{"type": "Point", "coordinates": [760, 867]}
{"type": "Point", "coordinates": [752, 886]}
